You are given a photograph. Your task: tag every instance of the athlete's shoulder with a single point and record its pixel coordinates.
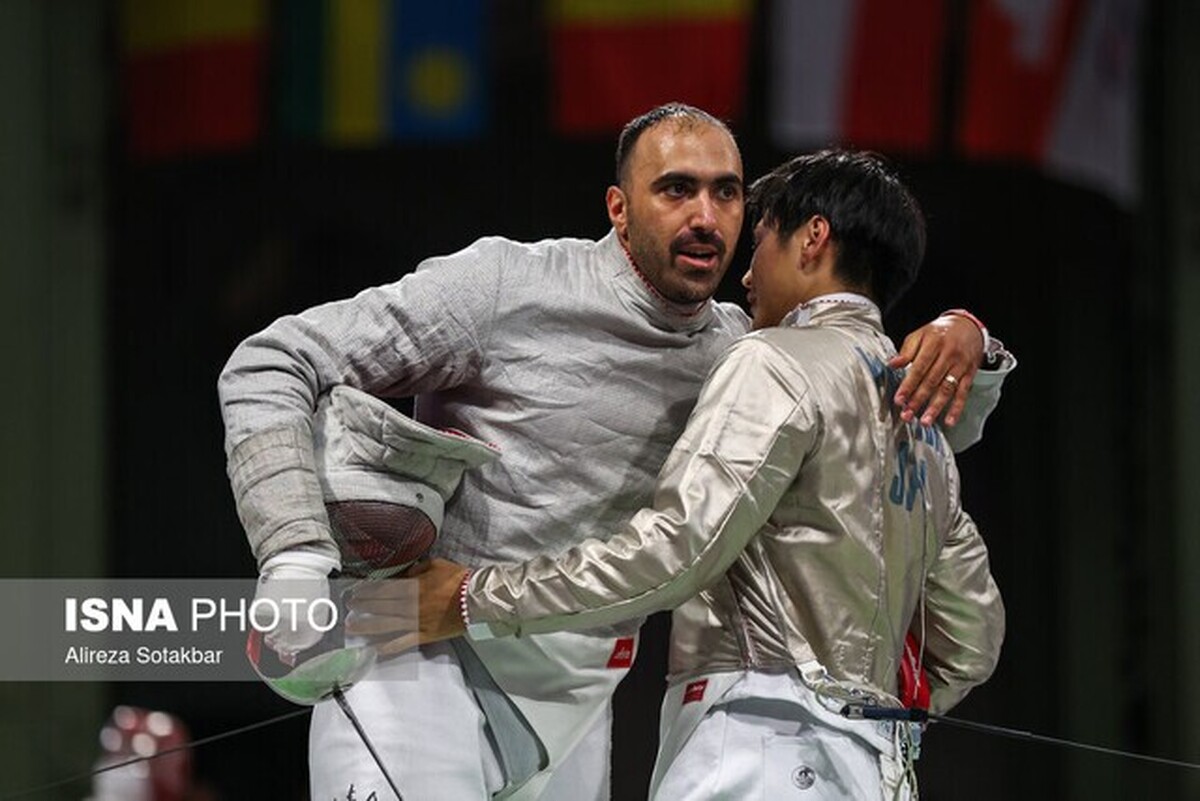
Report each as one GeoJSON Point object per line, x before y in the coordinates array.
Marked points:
{"type": "Point", "coordinates": [761, 346]}
{"type": "Point", "coordinates": [807, 348]}
{"type": "Point", "coordinates": [506, 256]}
{"type": "Point", "coordinates": [538, 249]}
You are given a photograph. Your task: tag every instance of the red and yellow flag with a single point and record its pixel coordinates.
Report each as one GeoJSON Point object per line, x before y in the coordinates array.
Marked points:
{"type": "Point", "coordinates": [193, 74]}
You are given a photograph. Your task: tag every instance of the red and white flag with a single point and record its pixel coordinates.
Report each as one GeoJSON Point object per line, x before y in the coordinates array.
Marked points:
{"type": "Point", "coordinates": [1054, 83]}
{"type": "Point", "coordinates": [864, 73]}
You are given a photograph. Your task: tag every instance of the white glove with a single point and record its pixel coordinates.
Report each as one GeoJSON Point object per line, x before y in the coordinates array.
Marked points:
{"type": "Point", "coordinates": [297, 584]}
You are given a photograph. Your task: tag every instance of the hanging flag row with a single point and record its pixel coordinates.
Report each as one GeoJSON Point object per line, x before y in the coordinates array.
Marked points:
{"type": "Point", "coordinates": [364, 72]}
{"type": "Point", "coordinates": [214, 75]}
{"type": "Point", "coordinates": [1051, 83]}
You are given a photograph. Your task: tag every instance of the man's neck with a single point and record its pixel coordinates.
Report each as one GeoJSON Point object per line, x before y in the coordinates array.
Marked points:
{"type": "Point", "coordinates": [687, 309]}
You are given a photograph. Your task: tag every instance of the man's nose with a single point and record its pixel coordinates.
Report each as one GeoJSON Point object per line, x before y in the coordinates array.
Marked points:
{"type": "Point", "coordinates": [704, 212]}
{"type": "Point", "coordinates": [746, 278]}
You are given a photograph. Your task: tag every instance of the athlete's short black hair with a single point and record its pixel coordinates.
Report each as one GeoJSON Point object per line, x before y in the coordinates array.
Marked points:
{"type": "Point", "coordinates": [875, 221]}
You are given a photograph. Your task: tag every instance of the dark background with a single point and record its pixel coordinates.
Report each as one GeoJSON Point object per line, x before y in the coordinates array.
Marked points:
{"type": "Point", "coordinates": [1071, 487]}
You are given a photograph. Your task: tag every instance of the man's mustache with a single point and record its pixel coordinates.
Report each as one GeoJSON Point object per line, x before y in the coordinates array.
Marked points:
{"type": "Point", "coordinates": [694, 238]}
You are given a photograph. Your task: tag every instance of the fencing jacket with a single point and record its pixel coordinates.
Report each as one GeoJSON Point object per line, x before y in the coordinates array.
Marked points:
{"type": "Point", "coordinates": [556, 352]}
{"type": "Point", "coordinates": [796, 518]}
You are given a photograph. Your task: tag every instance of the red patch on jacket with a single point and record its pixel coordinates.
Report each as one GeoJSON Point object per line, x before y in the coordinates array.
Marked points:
{"type": "Point", "coordinates": [695, 691]}
{"type": "Point", "coordinates": [622, 655]}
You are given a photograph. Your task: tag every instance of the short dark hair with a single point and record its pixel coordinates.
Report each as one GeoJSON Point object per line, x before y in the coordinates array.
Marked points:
{"type": "Point", "coordinates": [634, 129]}
{"type": "Point", "coordinates": [875, 221]}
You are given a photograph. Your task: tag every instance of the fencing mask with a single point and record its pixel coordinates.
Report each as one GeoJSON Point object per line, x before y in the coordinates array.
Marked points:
{"type": "Point", "coordinates": [386, 479]}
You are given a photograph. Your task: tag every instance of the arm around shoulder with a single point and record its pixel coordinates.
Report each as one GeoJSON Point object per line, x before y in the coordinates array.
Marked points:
{"type": "Point", "coordinates": [749, 433]}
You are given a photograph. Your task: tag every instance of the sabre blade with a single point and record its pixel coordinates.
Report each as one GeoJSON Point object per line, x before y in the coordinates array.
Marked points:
{"type": "Point", "coordinates": [340, 697]}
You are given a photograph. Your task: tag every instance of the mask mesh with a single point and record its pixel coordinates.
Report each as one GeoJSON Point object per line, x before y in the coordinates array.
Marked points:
{"type": "Point", "coordinates": [379, 539]}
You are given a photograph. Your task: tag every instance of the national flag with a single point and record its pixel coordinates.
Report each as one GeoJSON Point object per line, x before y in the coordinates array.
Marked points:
{"type": "Point", "coordinates": [1055, 84]}
{"type": "Point", "coordinates": [862, 73]}
{"type": "Point", "coordinates": [363, 72]}
{"type": "Point", "coordinates": [614, 59]}
{"type": "Point", "coordinates": [192, 74]}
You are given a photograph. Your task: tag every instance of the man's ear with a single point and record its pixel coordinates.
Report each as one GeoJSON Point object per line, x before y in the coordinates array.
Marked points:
{"type": "Point", "coordinates": [618, 211]}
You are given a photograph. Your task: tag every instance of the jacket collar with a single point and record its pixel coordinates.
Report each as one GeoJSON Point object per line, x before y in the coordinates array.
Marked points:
{"type": "Point", "coordinates": [833, 308]}
{"type": "Point", "coordinates": [633, 285]}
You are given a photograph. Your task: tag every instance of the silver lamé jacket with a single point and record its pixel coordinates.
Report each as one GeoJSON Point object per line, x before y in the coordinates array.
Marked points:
{"type": "Point", "coordinates": [796, 518]}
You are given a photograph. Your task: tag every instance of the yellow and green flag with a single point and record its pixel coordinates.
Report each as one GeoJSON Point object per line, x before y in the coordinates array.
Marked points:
{"type": "Point", "coordinates": [364, 72]}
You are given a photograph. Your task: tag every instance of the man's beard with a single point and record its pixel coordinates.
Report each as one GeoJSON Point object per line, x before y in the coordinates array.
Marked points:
{"type": "Point", "coordinates": [657, 266]}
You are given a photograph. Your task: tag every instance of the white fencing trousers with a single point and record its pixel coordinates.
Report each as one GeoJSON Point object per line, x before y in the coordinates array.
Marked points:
{"type": "Point", "coordinates": [456, 760]}
{"type": "Point", "coordinates": [585, 775]}
{"type": "Point", "coordinates": [432, 735]}
{"type": "Point", "coordinates": [563, 684]}
{"type": "Point", "coordinates": [766, 737]}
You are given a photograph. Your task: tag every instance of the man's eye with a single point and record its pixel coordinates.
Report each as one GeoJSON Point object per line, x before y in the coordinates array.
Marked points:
{"type": "Point", "coordinates": [676, 189]}
{"type": "Point", "coordinates": [729, 192]}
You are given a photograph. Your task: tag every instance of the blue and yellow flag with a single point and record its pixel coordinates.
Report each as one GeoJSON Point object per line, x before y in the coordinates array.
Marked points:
{"type": "Point", "coordinates": [364, 72]}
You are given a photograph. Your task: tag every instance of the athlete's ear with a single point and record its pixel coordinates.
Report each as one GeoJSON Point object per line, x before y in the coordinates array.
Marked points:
{"type": "Point", "coordinates": [816, 232]}
{"type": "Point", "coordinates": [618, 211]}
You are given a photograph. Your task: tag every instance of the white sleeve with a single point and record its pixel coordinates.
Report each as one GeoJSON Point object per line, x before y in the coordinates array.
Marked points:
{"type": "Point", "coordinates": [983, 398]}
{"type": "Point", "coordinates": [422, 333]}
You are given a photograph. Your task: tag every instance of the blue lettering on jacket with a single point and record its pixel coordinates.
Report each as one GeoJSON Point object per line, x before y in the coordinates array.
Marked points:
{"type": "Point", "coordinates": [909, 476]}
